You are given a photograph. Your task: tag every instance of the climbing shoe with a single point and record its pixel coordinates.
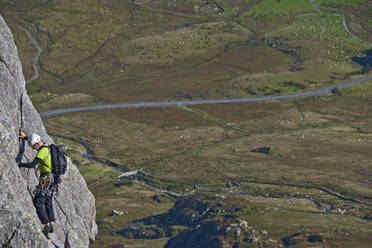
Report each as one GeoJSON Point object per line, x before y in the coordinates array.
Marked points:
{"type": "Point", "coordinates": [51, 228]}
{"type": "Point", "coordinates": [47, 230]}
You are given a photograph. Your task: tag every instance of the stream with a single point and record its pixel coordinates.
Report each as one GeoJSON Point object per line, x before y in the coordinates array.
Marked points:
{"type": "Point", "coordinates": [145, 179]}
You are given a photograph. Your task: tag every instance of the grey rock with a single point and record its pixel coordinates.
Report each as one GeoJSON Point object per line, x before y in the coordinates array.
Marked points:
{"type": "Point", "coordinates": [265, 150]}
{"type": "Point", "coordinates": [116, 213]}
{"type": "Point", "coordinates": [204, 236]}
{"type": "Point", "coordinates": [139, 230]}
{"type": "Point", "coordinates": [117, 246]}
{"type": "Point", "coordinates": [315, 238]}
{"type": "Point", "coordinates": [19, 224]}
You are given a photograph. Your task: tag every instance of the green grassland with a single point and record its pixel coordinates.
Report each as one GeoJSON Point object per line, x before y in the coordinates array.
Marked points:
{"type": "Point", "coordinates": [356, 13]}
{"type": "Point", "coordinates": [136, 203]}
{"type": "Point", "coordinates": [273, 9]}
{"type": "Point", "coordinates": [153, 50]}
{"type": "Point", "coordinates": [344, 2]}
{"type": "Point", "coordinates": [323, 27]}
{"type": "Point", "coordinates": [97, 52]}
{"type": "Point", "coordinates": [298, 212]}
{"type": "Point", "coordinates": [114, 194]}
{"type": "Point", "coordinates": [369, 21]}
{"type": "Point", "coordinates": [313, 142]}
{"type": "Point", "coordinates": [287, 163]}
{"type": "Point", "coordinates": [93, 172]}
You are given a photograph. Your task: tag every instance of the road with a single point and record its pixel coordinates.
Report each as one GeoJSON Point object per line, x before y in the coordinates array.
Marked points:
{"type": "Point", "coordinates": [319, 92]}
{"type": "Point", "coordinates": [325, 91]}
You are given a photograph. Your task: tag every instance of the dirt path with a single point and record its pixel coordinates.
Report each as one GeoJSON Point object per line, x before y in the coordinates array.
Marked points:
{"type": "Point", "coordinates": [339, 15]}
{"type": "Point", "coordinates": [315, 7]}
{"type": "Point", "coordinates": [39, 51]}
{"type": "Point", "coordinates": [343, 21]}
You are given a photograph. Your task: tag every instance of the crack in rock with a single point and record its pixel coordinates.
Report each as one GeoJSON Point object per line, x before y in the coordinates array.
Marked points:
{"type": "Point", "coordinates": [7, 244]}
{"type": "Point", "coordinates": [6, 65]}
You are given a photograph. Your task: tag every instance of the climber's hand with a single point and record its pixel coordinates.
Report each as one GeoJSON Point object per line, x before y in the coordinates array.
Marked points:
{"type": "Point", "coordinates": [22, 135]}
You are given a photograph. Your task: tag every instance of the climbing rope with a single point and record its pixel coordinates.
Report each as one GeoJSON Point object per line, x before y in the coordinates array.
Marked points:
{"type": "Point", "coordinates": [67, 243]}
{"type": "Point", "coordinates": [64, 213]}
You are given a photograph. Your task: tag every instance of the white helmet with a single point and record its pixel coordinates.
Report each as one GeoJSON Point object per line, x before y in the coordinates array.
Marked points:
{"type": "Point", "coordinates": [33, 139]}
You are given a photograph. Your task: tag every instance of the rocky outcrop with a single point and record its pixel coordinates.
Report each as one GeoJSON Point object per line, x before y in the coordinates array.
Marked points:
{"type": "Point", "coordinates": [206, 235]}
{"type": "Point", "coordinates": [74, 205]}
{"type": "Point", "coordinates": [200, 221]}
{"type": "Point", "coordinates": [224, 232]}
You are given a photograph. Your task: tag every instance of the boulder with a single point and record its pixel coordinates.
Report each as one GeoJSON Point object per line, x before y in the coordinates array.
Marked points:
{"type": "Point", "coordinates": [315, 238]}
{"type": "Point", "coordinates": [265, 150]}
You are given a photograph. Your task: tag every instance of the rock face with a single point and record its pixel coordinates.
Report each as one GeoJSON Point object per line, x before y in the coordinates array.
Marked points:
{"type": "Point", "coordinates": [74, 205]}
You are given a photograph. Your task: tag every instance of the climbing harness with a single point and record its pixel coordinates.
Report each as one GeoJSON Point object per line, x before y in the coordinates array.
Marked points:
{"type": "Point", "coordinates": [44, 183]}
{"type": "Point", "coordinates": [46, 186]}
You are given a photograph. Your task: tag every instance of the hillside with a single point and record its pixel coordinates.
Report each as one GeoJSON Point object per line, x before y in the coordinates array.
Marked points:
{"type": "Point", "coordinates": [280, 155]}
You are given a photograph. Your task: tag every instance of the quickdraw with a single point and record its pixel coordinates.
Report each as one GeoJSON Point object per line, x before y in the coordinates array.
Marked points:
{"type": "Point", "coordinates": [46, 185]}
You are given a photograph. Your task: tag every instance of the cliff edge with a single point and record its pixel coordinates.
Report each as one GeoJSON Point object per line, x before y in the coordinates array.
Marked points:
{"type": "Point", "coordinates": [74, 204]}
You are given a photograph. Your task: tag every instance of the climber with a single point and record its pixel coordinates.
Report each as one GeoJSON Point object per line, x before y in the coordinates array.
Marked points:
{"type": "Point", "coordinates": [46, 188]}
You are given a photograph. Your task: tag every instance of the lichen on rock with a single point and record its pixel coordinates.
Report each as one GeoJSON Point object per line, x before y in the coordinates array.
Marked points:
{"type": "Point", "coordinates": [74, 205]}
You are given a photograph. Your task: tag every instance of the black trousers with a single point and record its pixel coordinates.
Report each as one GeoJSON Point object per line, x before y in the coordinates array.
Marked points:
{"type": "Point", "coordinates": [44, 208]}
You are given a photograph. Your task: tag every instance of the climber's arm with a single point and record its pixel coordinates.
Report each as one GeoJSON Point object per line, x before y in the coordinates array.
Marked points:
{"type": "Point", "coordinates": [30, 165]}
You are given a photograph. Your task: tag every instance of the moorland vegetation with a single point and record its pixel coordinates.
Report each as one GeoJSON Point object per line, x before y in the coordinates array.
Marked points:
{"type": "Point", "coordinates": [314, 186]}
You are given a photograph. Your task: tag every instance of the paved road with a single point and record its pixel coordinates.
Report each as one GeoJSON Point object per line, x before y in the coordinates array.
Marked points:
{"type": "Point", "coordinates": [325, 91]}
